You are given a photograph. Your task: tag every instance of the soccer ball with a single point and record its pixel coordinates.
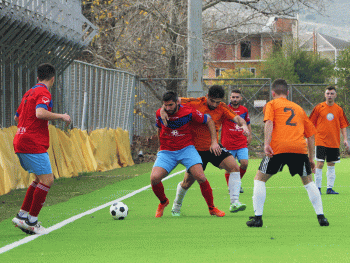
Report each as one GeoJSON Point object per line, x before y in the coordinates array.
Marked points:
{"type": "Point", "coordinates": [119, 210]}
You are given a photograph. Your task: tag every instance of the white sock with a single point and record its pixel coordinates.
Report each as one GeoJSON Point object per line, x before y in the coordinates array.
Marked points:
{"type": "Point", "coordinates": [180, 194]}
{"type": "Point", "coordinates": [234, 186]}
{"type": "Point", "coordinates": [32, 219]}
{"type": "Point", "coordinates": [330, 176]}
{"type": "Point", "coordinates": [23, 213]}
{"type": "Point", "coordinates": [315, 197]}
{"type": "Point", "coordinates": [318, 177]}
{"type": "Point", "coordinates": [259, 196]}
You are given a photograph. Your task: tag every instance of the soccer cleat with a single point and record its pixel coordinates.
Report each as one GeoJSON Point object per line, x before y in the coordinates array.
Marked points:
{"type": "Point", "coordinates": [322, 220]}
{"type": "Point", "coordinates": [320, 190]}
{"type": "Point", "coordinates": [241, 190]}
{"type": "Point", "coordinates": [216, 212]}
{"type": "Point", "coordinates": [330, 191]}
{"type": "Point", "coordinates": [161, 207]}
{"type": "Point", "coordinates": [19, 222]}
{"type": "Point", "coordinates": [237, 206]}
{"type": "Point", "coordinates": [255, 221]}
{"type": "Point", "coordinates": [35, 228]}
{"type": "Point", "coordinates": [175, 211]}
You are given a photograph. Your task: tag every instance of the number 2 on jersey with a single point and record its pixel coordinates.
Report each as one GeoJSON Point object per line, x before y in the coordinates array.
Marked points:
{"type": "Point", "coordinates": [289, 121]}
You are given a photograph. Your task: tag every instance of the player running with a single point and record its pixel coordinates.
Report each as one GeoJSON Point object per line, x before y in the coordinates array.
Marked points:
{"type": "Point", "coordinates": [218, 111]}
{"type": "Point", "coordinates": [176, 146]}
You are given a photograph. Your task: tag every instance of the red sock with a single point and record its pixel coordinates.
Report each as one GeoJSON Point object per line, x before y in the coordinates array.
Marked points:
{"type": "Point", "coordinates": [27, 202]}
{"type": "Point", "coordinates": [158, 190]}
{"type": "Point", "coordinates": [241, 172]}
{"type": "Point", "coordinates": [39, 198]}
{"type": "Point", "coordinates": [227, 177]}
{"type": "Point", "coordinates": [207, 193]}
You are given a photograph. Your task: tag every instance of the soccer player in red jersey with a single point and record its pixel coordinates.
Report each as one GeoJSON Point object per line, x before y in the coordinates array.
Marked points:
{"type": "Point", "coordinates": [31, 143]}
{"type": "Point", "coordinates": [176, 146]}
{"type": "Point", "coordinates": [329, 120]}
{"type": "Point", "coordinates": [212, 105]}
{"type": "Point", "coordinates": [232, 137]}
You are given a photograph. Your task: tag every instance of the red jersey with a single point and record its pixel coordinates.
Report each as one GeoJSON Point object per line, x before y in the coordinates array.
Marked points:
{"type": "Point", "coordinates": [232, 137]}
{"type": "Point", "coordinates": [328, 121]}
{"type": "Point", "coordinates": [178, 133]}
{"type": "Point", "coordinates": [32, 133]}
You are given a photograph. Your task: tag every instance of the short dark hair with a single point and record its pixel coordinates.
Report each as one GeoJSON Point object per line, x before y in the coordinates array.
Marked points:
{"type": "Point", "coordinates": [331, 88]}
{"type": "Point", "coordinates": [236, 91]}
{"type": "Point", "coordinates": [46, 71]}
{"type": "Point", "coordinates": [170, 95]}
{"type": "Point", "coordinates": [280, 86]}
{"type": "Point", "coordinates": [216, 92]}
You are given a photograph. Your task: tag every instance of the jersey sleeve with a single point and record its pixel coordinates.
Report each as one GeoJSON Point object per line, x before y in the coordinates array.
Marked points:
{"type": "Point", "coordinates": [43, 100]}
{"type": "Point", "coordinates": [158, 119]}
{"type": "Point", "coordinates": [309, 128]}
{"type": "Point", "coordinates": [19, 110]}
{"type": "Point", "coordinates": [314, 115]}
{"type": "Point", "coordinates": [343, 120]}
{"type": "Point", "coordinates": [247, 118]}
{"type": "Point", "coordinates": [228, 113]}
{"type": "Point", "coordinates": [199, 117]}
{"type": "Point", "coordinates": [268, 112]}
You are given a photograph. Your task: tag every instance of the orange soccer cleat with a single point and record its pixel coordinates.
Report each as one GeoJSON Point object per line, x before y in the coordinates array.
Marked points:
{"type": "Point", "coordinates": [216, 212]}
{"type": "Point", "coordinates": [160, 208]}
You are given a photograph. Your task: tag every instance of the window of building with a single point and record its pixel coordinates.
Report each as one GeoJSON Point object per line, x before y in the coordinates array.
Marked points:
{"type": "Point", "coordinates": [246, 49]}
{"type": "Point", "coordinates": [218, 72]}
{"type": "Point", "coordinates": [277, 45]}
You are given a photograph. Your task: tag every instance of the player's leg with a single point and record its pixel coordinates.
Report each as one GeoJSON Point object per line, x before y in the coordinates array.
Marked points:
{"type": "Point", "coordinates": [164, 164]}
{"type": "Point", "coordinates": [242, 157]}
{"type": "Point", "coordinates": [188, 159]}
{"type": "Point", "coordinates": [227, 173]}
{"type": "Point", "coordinates": [197, 172]}
{"type": "Point", "coordinates": [268, 167]}
{"type": "Point", "coordinates": [320, 158]}
{"type": "Point", "coordinates": [230, 165]}
{"type": "Point", "coordinates": [333, 157]}
{"type": "Point", "coordinates": [315, 198]}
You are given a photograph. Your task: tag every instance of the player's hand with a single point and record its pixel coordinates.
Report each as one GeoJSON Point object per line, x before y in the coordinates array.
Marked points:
{"type": "Point", "coordinates": [164, 116]}
{"type": "Point", "coordinates": [313, 166]}
{"type": "Point", "coordinates": [246, 131]}
{"type": "Point", "coordinates": [215, 148]}
{"type": "Point", "coordinates": [346, 144]}
{"type": "Point", "coordinates": [268, 151]}
{"type": "Point", "coordinates": [66, 118]}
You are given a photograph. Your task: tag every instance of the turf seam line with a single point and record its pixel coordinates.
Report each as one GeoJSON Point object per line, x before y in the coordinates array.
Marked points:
{"type": "Point", "coordinates": [73, 218]}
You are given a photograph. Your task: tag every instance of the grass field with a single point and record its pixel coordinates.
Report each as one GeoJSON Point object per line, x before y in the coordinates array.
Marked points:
{"type": "Point", "coordinates": [290, 233]}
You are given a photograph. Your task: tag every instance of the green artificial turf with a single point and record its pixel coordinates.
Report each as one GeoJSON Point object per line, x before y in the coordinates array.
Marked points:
{"type": "Point", "coordinates": [290, 233]}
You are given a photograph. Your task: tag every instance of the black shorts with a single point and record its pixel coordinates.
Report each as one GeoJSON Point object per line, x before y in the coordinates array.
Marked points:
{"type": "Point", "coordinates": [297, 164]}
{"type": "Point", "coordinates": [327, 154]}
{"type": "Point", "coordinates": [207, 157]}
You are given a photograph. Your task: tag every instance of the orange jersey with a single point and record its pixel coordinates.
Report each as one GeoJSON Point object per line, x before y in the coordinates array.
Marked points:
{"type": "Point", "coordinates": [290, 126]}
{"type": "Point", "coordinates": [202, 138]}
{"type": "Point", "coordinates": [328, 121]}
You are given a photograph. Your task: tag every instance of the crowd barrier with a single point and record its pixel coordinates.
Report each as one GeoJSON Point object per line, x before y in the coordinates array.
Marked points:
{"type": "Point", "coordinates": [71, 153]}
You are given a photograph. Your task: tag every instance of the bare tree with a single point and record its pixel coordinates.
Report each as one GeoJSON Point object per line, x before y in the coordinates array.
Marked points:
{"type": "Point", "coordinates": [149, 37]}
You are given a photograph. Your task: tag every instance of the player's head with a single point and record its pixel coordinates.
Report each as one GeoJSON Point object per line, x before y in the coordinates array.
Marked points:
{"type": "Point", "coordinates": [216, 94]}
{"type": "Point", "coordinates": [46, 72]}
{"type": "Point", "coordinates": [236, 97]}
{"type": "Point", "coordinates": [279, 87]}
{"type": "Point", "coordinates": [170, 102]}
{"type": "Point", "coordinates": [330, 94]}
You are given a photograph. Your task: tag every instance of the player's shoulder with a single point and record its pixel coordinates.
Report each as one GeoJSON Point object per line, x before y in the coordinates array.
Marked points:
{"type": "Point", "coordinates": [243, 108]}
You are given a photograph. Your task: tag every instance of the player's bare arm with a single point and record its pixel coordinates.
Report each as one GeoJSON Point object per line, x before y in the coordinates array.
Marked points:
{"type": "Point", "coordinates": [16, 119]}
{"type": "Point", "coordinates": [345, 137]}
{"type": "Point", "coordinates": [214, 147]}
{"type": "Point", "coordinates": [249, 137]}
{"type": "Point", "coordinates": [44, 114]}
{"type": "Point", "coordinates": [268, 136]}
{"type": "Point", "coordinates": [311, 151]}
{"type": "Point", "coordinates": [242, 123]}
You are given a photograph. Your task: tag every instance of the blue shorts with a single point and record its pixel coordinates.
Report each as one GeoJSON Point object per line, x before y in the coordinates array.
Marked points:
{"type": "Point", "coordinates": [168, 160]}
{"type": "Point", "coordinates": [37, 163]}
{"type": "Point", "coordinates": [240, 154]}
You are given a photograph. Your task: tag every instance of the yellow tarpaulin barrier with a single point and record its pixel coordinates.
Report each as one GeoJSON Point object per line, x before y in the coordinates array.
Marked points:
{"type": "Point", "coordinates": [70, 153]}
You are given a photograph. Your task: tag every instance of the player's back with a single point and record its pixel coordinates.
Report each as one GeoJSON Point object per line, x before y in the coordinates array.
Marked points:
{"type": "Point", "coordinates": [290, 126]}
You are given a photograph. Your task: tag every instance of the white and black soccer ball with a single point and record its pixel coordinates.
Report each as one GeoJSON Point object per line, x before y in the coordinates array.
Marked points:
{"type": "Point", "coordinates": [119, 210]}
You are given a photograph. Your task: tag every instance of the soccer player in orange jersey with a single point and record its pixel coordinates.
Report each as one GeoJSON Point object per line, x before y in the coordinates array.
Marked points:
{"type": "Point", "coordinates": [329, 120]}
{"type": "Point", "coordinates": [286, 127]}
{"type": "Point", "coordinates": [212, 105]}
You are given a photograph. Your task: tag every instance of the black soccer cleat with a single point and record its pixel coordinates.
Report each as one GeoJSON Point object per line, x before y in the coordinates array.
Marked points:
{"type": "Point", "coordinates": [330, 191]}
{"type": "Point", "coordinates": [255, 221]}
{"type": "Point", "coordinates": [322, 220]}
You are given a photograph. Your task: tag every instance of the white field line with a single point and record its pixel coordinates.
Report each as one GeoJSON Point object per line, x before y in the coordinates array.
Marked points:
{"type": "Point", "coordinates": [73, 218]}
